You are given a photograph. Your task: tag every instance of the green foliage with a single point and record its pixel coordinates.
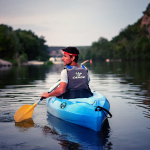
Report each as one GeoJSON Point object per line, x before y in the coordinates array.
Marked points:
{"type": "Point", "coordinates": [100, 50]}
{"type": "Point", "coordinates": [23, 58]}
{"type": "Point", "coordinates": [147, 12]}
{"type": "Point", "coordinates": [132, 43]}
{"type": "Point", "coordinates": [49, 63]}
{"type": "Point", "coordinates": [9, 42]}
{"type": "Point", "coordinates": [21, 45]}
{"type": "Point", "coordinates": [84, 52]}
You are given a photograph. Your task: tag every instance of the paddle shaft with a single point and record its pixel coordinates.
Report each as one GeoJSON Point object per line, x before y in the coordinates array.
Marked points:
{"type": "Point", "coordinates": [50, 90]}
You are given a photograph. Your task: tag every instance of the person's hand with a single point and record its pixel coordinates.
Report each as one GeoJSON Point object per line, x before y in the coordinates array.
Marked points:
{"type": "Point", "coordinates": [45, 95]}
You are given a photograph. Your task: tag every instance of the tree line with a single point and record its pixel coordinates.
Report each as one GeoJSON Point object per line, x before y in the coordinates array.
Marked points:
{"type": "Point", "coordinates": [21, 45]}
{"type": "Point", "coordinates": [132, 43]}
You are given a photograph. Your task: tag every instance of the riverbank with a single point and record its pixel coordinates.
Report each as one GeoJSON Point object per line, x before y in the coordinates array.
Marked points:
{"type": "Point", "coordinates": [4, 63]}
{"type": "Point", "coordinates": [33, 62]}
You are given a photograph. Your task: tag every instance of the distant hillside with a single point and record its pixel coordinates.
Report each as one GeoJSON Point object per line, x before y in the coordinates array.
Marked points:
{"type": "Point", "coordinates": [132, 43]}
{"type": "Point", "coordinates": [146, 19]}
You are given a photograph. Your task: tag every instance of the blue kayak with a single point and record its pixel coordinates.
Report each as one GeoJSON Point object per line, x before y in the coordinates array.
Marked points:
{"type": "Point", "coordinates": [87, 112]}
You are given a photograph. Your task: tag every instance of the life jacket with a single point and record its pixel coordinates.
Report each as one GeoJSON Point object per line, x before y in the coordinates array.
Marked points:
{"type": "Point", "coordinates": [77, 86]}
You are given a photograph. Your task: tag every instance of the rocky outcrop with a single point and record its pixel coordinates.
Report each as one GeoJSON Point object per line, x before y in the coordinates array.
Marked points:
{"type": "Point", "coordinates": [4, 63]}
{"type": "Point", "coordinates": [146, 19]}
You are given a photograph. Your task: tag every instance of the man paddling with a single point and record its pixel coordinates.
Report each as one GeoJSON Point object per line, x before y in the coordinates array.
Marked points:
{"type": "Point", "coordinates": [74, 78]}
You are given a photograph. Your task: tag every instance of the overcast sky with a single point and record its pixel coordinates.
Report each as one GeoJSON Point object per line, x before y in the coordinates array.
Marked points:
{"type": "Point", "coordinates": [71, 22]}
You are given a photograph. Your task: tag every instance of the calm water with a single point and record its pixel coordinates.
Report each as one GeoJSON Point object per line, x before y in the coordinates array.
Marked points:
{"type": "Point", "coordinates": [125, 85]}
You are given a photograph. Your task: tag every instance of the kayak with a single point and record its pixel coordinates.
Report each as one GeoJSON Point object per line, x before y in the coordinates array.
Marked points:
{"type": "Point", "coordinates": [87, 112]}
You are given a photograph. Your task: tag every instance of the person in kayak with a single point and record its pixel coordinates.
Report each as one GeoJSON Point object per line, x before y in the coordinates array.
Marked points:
{"type": "Point", "coordinates": [74, 78]}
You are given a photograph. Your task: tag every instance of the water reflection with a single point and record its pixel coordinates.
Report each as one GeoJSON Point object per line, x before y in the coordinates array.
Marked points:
{"type": "Point", "coordinates": [22, 75]}
{"type": "Point", "coordinates": [50, 131]}
{"type": "Point", "coordinates": [4, 68]}
{"type": "Point", "coordinates": [25, 125]}
{"type": "Point", "coordinates": [78, 134]}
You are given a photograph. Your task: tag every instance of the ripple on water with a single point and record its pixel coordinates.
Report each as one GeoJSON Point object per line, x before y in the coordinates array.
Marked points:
{"type": "Point", "coordinates": [24, 146]}
{"type": "Point", "coordinates": [7, 116]}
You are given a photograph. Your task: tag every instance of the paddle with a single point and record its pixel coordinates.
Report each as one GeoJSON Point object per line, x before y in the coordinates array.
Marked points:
{"type": "Point", "coordinates": [26, 111]}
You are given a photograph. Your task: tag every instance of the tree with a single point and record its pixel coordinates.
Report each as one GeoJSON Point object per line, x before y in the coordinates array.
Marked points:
{"type": "Point", "coordinates": [9, 42]}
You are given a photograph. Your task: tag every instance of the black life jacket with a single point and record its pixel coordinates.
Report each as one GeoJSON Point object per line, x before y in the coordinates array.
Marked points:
{"type": "Point", "coordinates": [77, 86]}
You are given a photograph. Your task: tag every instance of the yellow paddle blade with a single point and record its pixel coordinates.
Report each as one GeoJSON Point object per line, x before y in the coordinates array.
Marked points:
{"type": "Point", "coordinates": [25, 112]}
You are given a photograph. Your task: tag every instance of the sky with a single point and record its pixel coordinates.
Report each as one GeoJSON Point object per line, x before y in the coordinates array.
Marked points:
{"type": "Point", "coordinates": [72, 22]}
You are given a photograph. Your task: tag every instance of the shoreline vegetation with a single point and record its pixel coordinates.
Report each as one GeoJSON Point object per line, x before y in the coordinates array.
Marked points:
{"type": "Point", "coordinates": [132, 43]}
{"type": "Point", "coordinates": [21, 47]}
{"type": "Point", "coordinates": [4, 63]}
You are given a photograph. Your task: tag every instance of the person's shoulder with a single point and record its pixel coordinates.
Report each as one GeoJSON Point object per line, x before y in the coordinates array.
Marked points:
{"type": "Point", "coordinates": [64, 71]}
{"type": "Point", "coordinates": [64, 77]}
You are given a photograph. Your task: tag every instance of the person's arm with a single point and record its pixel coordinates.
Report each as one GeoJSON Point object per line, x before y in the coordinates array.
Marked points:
{"type": "Point", "coordinates": [58, 91]}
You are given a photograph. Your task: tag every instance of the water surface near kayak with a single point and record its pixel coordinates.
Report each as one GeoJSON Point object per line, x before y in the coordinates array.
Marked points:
{"type": "Point", "coordinates": [126, 86]}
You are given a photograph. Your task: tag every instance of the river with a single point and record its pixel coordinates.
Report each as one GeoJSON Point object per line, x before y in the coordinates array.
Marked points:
{"type": "Point", "coordinates": [125, 84]}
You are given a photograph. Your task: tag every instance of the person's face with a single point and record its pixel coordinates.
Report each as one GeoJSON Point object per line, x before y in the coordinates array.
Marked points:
{"type": "Point", "coordinates": [67, 60]}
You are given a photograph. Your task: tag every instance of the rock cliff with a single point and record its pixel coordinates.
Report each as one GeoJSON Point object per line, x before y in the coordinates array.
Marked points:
{"type": "Point", "coordinates": [146, 19]}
